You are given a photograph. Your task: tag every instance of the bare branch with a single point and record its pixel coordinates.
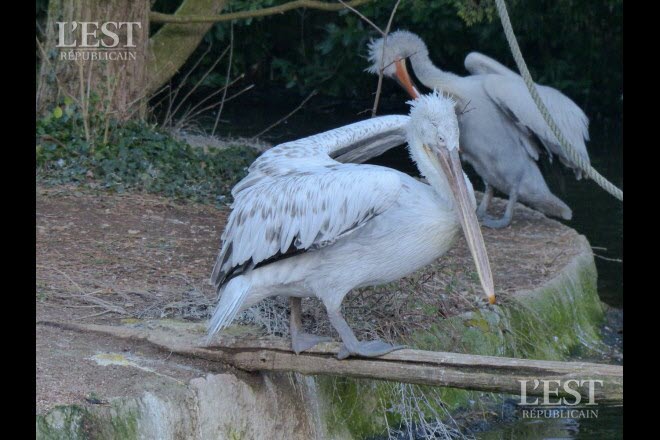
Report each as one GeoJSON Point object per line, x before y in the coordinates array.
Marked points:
{"type": "Point", "coordinates": [220, 90]}
{"type": "Point", "coordinates": [192, 90]}
{"type": "Point", "coordinates": [382, 59]}
{"type": "Point", "coordinates": [185, 77]}
{"type": "Point", "coordinates": [465, 108]}
{"type": "Point", "coordinates": [235, 95]}
{"type": "Point", "coordinates": [363, 17]}
{"type": "Point", "coordinates": [227, 76]}
{"type": "Point", "coordinates": [314, 92]}
{"type": "Point", "coordinates": [158, 17]}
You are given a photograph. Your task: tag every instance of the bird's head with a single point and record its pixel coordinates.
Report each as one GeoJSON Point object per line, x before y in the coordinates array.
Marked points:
{"type": "Point", "coordinates": [432, 135]}
{"type": "Point", "coordinates": [433, 121]}
{"type": "Point", "coordinates": [391, 53]}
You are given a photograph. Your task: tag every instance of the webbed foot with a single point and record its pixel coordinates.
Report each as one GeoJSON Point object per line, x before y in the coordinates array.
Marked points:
{"type": "Point", "coordinates": [304, 341]}
{"type": "Point", "coordinates": [496, 223]}
{"type": "Point", "coordinates": [368, 349]}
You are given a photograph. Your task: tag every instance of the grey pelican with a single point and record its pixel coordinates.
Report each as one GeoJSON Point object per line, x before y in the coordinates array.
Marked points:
{"type": "Point", "coordinates": [306, 225]}
{"type": "Point", "coordinates": [502, 131]}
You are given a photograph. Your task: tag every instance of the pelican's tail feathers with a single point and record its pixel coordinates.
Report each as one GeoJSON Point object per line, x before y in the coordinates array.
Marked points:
{"type": "Point", "coordinates": [232, 297]}
{"type": "Point", "coordinates": [553, 206]}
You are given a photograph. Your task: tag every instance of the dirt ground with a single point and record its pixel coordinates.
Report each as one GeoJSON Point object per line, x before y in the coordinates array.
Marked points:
{"type": "Point", "coordinates": [112, 258]}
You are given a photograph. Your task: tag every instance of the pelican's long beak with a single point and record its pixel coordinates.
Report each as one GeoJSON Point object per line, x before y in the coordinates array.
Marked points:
{"type": "Point", "coordinates": [451, 165]}
{"type": "Point", "coordinates": [404, 80]}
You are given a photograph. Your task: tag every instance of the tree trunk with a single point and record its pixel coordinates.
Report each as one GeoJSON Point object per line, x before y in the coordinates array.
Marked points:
{"type": "Point", "coordinates": [110, 78]}
{"type": "Point", "coordinates": [172, 45]}
{"type": "Point", "coordinates": [120, 88]}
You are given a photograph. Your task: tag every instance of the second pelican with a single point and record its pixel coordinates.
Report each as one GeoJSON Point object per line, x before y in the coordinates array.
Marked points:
{"type": "Point", "coordinates": [502, 130]}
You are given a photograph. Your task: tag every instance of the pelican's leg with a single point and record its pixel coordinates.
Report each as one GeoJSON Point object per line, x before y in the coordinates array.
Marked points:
{"type": "Point", "coordinates": [505, 220]}
{"type": "Point", "coordinates": [351, 344]}
{"type": "Point", "coordinates": [301, 341]}
{"type": "Point", "coordinates": [485, 201]}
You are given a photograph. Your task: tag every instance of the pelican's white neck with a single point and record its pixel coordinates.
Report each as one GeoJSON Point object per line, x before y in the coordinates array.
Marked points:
{"type": "Point", "coordinates": [432, 76]}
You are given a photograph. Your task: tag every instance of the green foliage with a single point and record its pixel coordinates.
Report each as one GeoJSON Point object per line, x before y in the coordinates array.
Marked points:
{"type": "Point", "coordinates": [565, 43]}
{"type": "Point", "coordinates": [136, 156]}
{"type": "Point", "coordinates": [475, 11]}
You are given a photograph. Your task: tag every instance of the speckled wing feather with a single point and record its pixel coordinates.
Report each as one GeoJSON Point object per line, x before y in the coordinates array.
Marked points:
{"type": "Point", "coordinates": [512, 96]}
{"type": "Point", "coordinates": [296, 197]}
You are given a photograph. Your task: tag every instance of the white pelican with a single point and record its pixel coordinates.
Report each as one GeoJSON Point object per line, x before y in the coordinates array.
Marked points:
{"type": "Point", "coordinates": [306, 225]}
{"type": "Point", "coordinates": [502, 131]}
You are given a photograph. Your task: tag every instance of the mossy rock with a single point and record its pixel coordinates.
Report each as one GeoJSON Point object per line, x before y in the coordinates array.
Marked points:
{"type": "Point", "coordinates": [75, 422]}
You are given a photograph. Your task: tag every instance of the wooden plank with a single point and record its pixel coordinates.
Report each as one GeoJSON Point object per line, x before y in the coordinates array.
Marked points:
{"type": "Point", "coordinates": [456, 370]}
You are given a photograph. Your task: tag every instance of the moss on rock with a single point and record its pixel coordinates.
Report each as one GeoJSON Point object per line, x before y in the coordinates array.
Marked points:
{"type": "Point", "coordinates": [558, 319]}
{"type": "Point", "coordinates": [76, 422]}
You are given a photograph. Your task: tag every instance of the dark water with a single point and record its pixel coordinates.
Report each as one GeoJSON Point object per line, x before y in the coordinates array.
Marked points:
{"type": "Point", "coordinates": [596, 214]}
{"type": "Point", "coordinates": [607, 426]}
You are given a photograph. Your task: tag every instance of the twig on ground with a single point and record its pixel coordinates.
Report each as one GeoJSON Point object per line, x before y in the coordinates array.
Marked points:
{"type": "Point", "coordinates": [47, 137]}
{"type": "Point", "coordinates": [616, 260]}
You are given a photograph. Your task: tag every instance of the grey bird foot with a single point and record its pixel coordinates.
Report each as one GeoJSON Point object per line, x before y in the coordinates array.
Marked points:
{"type": "Point", "coordinates": [495, 223]}
{"type": "Point", "coordinates": [305, 341]}
{"type": "Point", "coordinates": [368, 349]}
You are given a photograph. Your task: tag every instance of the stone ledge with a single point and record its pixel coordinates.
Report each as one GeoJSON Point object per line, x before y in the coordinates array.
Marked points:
{"type": "Point", "coordinates": [544, 273]}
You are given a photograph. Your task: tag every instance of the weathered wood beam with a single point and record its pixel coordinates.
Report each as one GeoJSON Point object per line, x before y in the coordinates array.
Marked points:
{"type": "Point", "coordinates": [465, 371]}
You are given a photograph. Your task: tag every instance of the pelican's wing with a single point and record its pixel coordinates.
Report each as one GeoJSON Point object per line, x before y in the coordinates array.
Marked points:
{"type": "Point", "coordinates": [302, 210]}
{"type": "Point", "coordinates": [512, 97]}
{"type": "Point", "coordinates": [479, 64]}
{"type": "Point", "coordinates": [355, 142]}
{"type": "Point", "coordinates": [297, 198]}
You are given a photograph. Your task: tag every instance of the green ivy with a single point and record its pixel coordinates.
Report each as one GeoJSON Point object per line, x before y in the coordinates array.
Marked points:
{"type": "Point", "coordinates": [135, 156]}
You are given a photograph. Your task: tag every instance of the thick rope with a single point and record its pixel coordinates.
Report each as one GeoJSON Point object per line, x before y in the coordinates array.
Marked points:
{"type": "Point", "coordinates": [567, 147]}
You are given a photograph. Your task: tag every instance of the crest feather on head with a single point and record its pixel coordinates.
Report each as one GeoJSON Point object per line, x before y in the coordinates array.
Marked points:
{"type": "Point", "coordinates": [399, 45]}
{"type": "Point", "coordinates": [434, 114]}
